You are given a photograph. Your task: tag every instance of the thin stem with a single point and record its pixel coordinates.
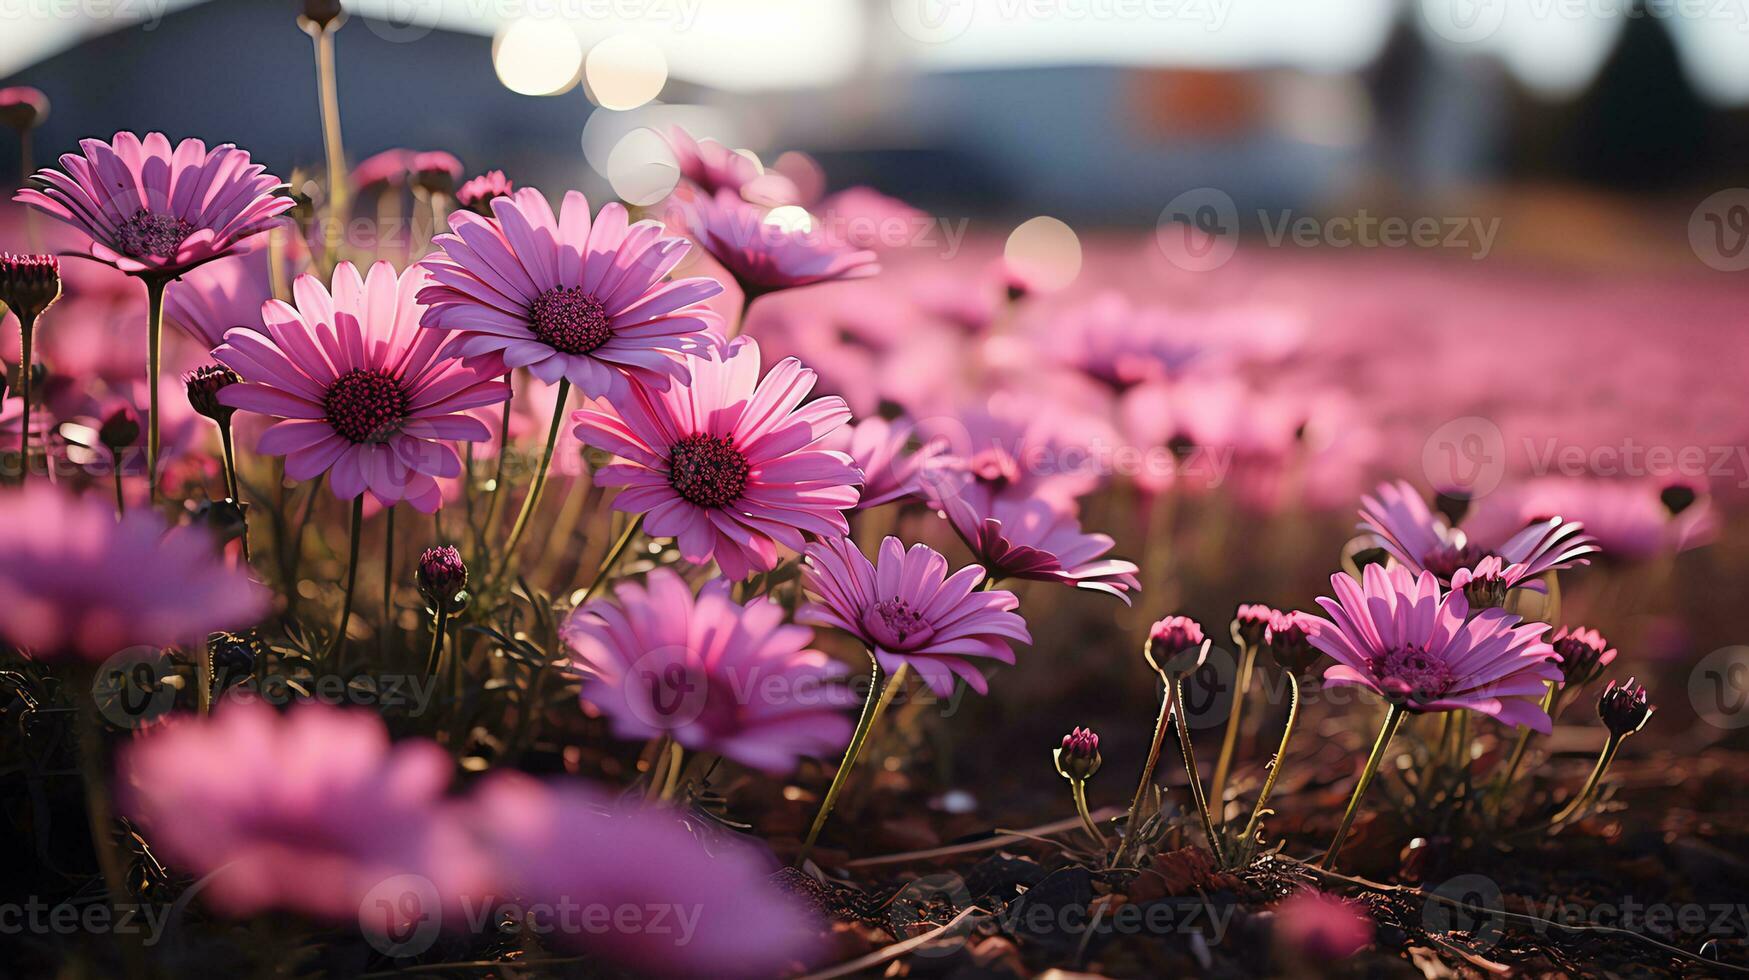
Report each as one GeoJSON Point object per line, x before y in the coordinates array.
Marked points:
{"type": "Point", "coordinates": [435, 655]}
{"type": "Point", "coordinates": [388, 626]}
{"type": "Point", "coordinates": [671, 782]}
{"type": "Point", "coordinates": [1287, 732]}
{"type": "Point", "coordinates": [232, 485]}
{"type": "Point", "coordinates": [611, 559]}
{"type": "Point", "coordinates": [872, 708]}
{"type": "Point", "coordinates": [154, 360]}
{"type": "Point", "coordinates": [121, 507]}
{"type": "Point", "coordinates": [1393, 718]}
{"type": "Point", "coordinates": [1153, 759]}
{"type": "Point", "coordinates": [328, 92]}
{"type": "Point", "coordinates": [1604, 758]}
{"type": "Point", "coordinates": [351, 580]}
{"type": "Point", "coordinates": [1224, 762]}
{"type": "Point", "coordinates": [26, 331]}
{"type": "Point", "coordinates": [530, 502]}
{"type": "Point", "coordinates": [1078, 789]}
{"type": "Point", "coordinates": [492, 508]}
{"type": "Point", "coordinates": [1202, 803]}
{"type": "Point", "coordinates": [1507, 775]}
{"type": "Point", "coordinates": [292, 553]}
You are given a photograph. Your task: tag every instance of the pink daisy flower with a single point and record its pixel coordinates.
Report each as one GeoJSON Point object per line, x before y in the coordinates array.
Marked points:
{"type": "Point", "coordinates": [710, 165]}
{"type": "Point", "coordinates": [766, 255]}
{"type": "Point", "coordinates": [151, 209]}
{"type": "Point", "coordinates": [306, 812]}
{"type": "Point", "coordinates": [727, 465]}
{"type": "Point", "coordinates": [908, 610]}
{"type": "Point", "coordinates": [566, 297]}
{"type": "Point", "coordinates": [557, 844]}
{"type": "Point", "coordinates": [1421, 540]}
{"type": "Point", "coordinates": [1030, 539]}
{"type": "Point", "coordinates": [361, 390]}
{"type": "Point", "coordinates": [478, 194]}
{"type": "Point", "coordinates": [714, 674]}
{"type": "Point", "coordinates": [211, 300]}
{"type": "Point", "coordinates": [1416, 645]}
{"type": "Point", "coordinates": [78, 584]}
{"type": "Point", "coordinates": [386, 169]}
{"type": "Point", "coordinates": [1628, 518]}
{"type": "Point", "coordinates": [882, 450]}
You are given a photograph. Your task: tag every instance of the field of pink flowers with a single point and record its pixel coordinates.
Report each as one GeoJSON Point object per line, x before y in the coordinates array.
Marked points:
{"type": "Point", "coordinates": [721, 587]}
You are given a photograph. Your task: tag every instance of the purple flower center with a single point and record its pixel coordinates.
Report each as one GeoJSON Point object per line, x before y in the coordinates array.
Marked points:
{"type": "Point", "coordinates": [1445, 560]}
{"type": "Point", "coordinates": [895, 625]}
{"type": "Point", "coordinates": [152, 234]}
{"type": "Point", "coordinates": [707, 470]}
{"type": "Point", "coordinates": [365, 406]}
{"type": "Point", "coordinates": [1411, 674]}
{"type": "Point", "coordinates": [570, 320]}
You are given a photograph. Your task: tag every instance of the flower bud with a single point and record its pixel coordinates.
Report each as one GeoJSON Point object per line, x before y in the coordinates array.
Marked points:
{"type": "Point", "coordinates": [203, 385]}
{"type": "Point", "coordinates": [1626, 709]}
{"type": "Point", "coordinates": [478, 194]}
{"type": "Point", "coordinates": [120, 429]}
{"type": "Point", "coordinates": [1584, 654]}
{"type": "Point", "coordinates": [29, 284]}
{"type": "Point", "coordinates": [23, 107]}
{"type": "Point", "coordinates": [442, 577]}
{"type": "Point", "coordinates": [1079, 756]}
{"type": "Point", "coordinates": [322, 12]}
{"type": "Point", "coordinates": [1289, 639]}
{"type": "Point", "coordinates": [1251, 622]}
{"type": "Point", "coordinates": [1176, 646]}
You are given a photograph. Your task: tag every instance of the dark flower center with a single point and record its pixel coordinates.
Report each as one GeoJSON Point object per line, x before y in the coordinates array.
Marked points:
{"type": "Point", "coordinates": [1412, 675]}
{"type": "Point", "coordinates": [152, 234]}
{"type": "Point", "coordinates": [1445, 560]}
{"type": "Point", "coordinates": [894, 624]}
{"type": "Point", "coordinates": [570, 320]}
{"type": "Point", "coordinates": [365, 406]}
{"type": "Point", "coordinates": [707, 470]}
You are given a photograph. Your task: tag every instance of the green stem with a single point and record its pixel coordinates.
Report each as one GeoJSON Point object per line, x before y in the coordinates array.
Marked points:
{"type": "Point", "coordinates": [611, 559]}
{"type": "Point", "coordinates": [328, 95]}
{"type": "Point", "coordinates": [232, 485]}
{"type": "Point", "coordinates": [1604, 758]}
{"type": "Point", "coordinates": [872, 708]}
{"type": "Point", "coordinates": [121, 507]}
{"type": "Point", "coordinates": [388, 626]}
{"type": "Point", "coordinates": [1287, 732]}
{"type": "Point", "coordinates": [492, 508]}
{"type": "Point", "coordinates": [435, 655]}
{"type": "Point", "coordinates": [154, 361]}
{"type": "Point", "coordinates": [351, 582]}
{"type": "Point", "coordinates": [530, 502]}
{"type": "Point", "coordinates": [1393, 718]}
{"type": "Point", "coordinates": [1190, 771]}
{"type": "Point", "coordinates": [26, 332]}
{"type": "Point", "coordinates": [1078, 789]}
{"type": "Point", "coordinates": [1229, 742]}
{"type": "Point", "coordinates": [1130, 825]}
{"type": "Point", "coordinates": [1507, 775]}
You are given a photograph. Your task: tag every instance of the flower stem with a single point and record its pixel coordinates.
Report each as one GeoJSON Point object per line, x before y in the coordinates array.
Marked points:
{"type": "Point", "coordinates": [1202, 803]}
{"type": "Point", "coordinates": [154, 359]}
{"type": "Point", "coordinates": [26, 331]}
{"type": "Point", "coordinates": [328, 93]}
{"type": "Point", "coordinates": [232, 486]}
{"type": "Point", "coordinates": [1078, 789]}
{"type": "Point", "coordinates": [532, 501]}
{"type": "Point", "coordinates": [388, 626]}
{"type": "Point", "coordinates": [440, 623]}
{"type": "Point", "coordinates": [872, 709]}
{"type": "Point", "coordinates": [492, 507]}
{"type": "Point", "coordinates": [1293, 713]}
{"type": "Point", "coordinates": [611, 559]}
{"type": "Point", "coordinates": [1229, 742]}
{"type": "Point", "coordinates": [1508, 774]}
{"type": "Point", "coordinates": [1130, 824]}
{"type": "Point", "coordinates": [121, 507]}
{"type": "Point", "coordinates": [1393, 718]}
{"type": "Point", "coordinates": [1604, 758]}
{"type": "Point", "coordinates": [351, 581]}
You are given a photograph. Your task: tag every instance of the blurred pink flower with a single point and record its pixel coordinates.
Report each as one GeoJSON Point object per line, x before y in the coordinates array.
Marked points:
{"type": "Point", "coordinates": [478, 194]}
{"type": "Point", "coordinates": [908, 610]}
{"type": "Point", "coordinates": [76, 583]}
{"type": "Point", "coordinates": [568, 845]}
{"type": "Point", "coordinates": [862, 217]}
{"type": "Point", "coordinates": [1006, 450]}
{"type": "Point", "coordinates": [882, 451]}
{"type": "Point", "coordinates": [214, 298]}
{"type": "Point", "coordinates": [1322, 927]}
{"type": "Point", "coordinates": [710, 165]}
{"type": "Point", "coordinates": [1030, 539]}
{"type": "Point", "coordinates": [1116, 342]}
{"type": "Point", "coordinates": [764, 255]}
{"type": "Point", "coordinates": [23, 107]}
{"type": "Point", "coordinates": [716, 675]}
{"type": "Point", "coordinates": [1414, 644]}
{"type": "Point", "coordinates": [727, 465]}
{"type": "Point", "coordinates": [388, 168]}
{"type": "Point", "coordinates": [306, 811]}
{"type": "Point", "coordinates": [152, 209]}
{"type": "Point", "coordinates": [1409, 530]}
{"type": "Point", "coordinates": [360, 388]}
{"type": "Point", "coordinates": [567, 297]}
{"type": "Point", "coordinates": [1625, 517]}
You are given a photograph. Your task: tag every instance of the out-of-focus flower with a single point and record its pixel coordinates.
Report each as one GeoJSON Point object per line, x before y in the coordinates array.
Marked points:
{"type": "Point", "coordinates": [715, 675]}
{"type": "Point", "coordinates": [1176, 646]}
{"type": "Point", "coordinates": [1422, 540]}
{"type": "Point", "coordinates": [1584, 653]}
{"type": "Point", "coordinates": [386, 169]}
{"type": "Point", "coordinates": [23, 107]}
{"type": "Point", "coordinates": [29, 284]}
{"type": "Point", "coordinates": [1078, 757]}
{"type": "Point", "coordinates": [1628, 519]}
{"type": "Point", "coordinates": [727, 465]}
{"type": "Point", "coordinates": [766, 253]}
{"type": "Point", "coordinates": [435, 171]}
{"type": "Point", "coordinates": [1031, 539]}
{"type": "Point", "coordinates": [1625, 709]}
{"type": "Point", "coordinates": [120, 429]}
{"type": "Point", "coordinates": [1251, 621]}
{"type": "Point", "coordinates": [442, 576]}
{"type": "Point", "coordinates": [153, 209]}
{"type": "Point", "coordinates": [568, 845]}
{"type": "Point", "coordinates": [710, 165]}
{"type": "Point", "coordinates": [567, 297]}
{"type": "Point", "coordinates": [76, 583]}
{"type": "Point", "coordinates": [1321, 927]}
{"type": "Point", "coordinates": [1111, 340]}
{"type": "Point", "coordinates": [1289, 641]}
{"type": "Point", "coordinates": [322, 13]}
{"type": "Point", "coordinates": [1416, 645]}
{"type": "Point", "coordinates": [361, 391]}
{"type": "Point", "coordinates": [203, 385]}
{"type": "Point", "coordinates": [908, 610]}
{"type": "Point", "coordinates": [211, 300]}
{"type": "Point", "coordinates": [862, 217]}
{"type": "Point", "coordinates": [882, 451]}
{"type": "Point", "coordinates": [1004, 449]}
{"type": "Point", "coordinates": [478, 194]}
{"type": "Point", "coordinates": [305, 812]}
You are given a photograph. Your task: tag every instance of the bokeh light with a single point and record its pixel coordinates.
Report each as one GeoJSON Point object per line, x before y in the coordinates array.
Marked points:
{"type": "Point", "coordinates": [1044, 252]}
{"type": "Point", "coordinates": [537, 58]}
{"type": "Point", "coordinates": [624, 72]}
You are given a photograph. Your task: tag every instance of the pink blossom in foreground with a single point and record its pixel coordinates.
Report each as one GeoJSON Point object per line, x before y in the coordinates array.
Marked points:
{"type": "Point", "coordinates": [700, 909]}
{"type": "Point", "coordinates": [727, 465]}
{"type": "Point", "coordinates": [1321, 927]}
{"type": "Point", "coordinates": [1416, 645]}
{"type": "Point", "coordinates": [765, 254]}
{"type": "Point", "coordinates": [1030, 539]}
{"type": "Point", "coordinates": [306, 811]}
{"type": "Point", "coordinates": [908, 610]}
{"type": "Point", "coordinates": [716, 675]}
{"type": "Point", "coordinates": [359, 387]}
{"type": "Point", "coordinates": [567, 297]}
{"type": "Point", "coordinates": [1420, 539]}
{"type": "Point", "coordinates": [153, 209]}
{"type": "Point", "coordinates": [78, 584]}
